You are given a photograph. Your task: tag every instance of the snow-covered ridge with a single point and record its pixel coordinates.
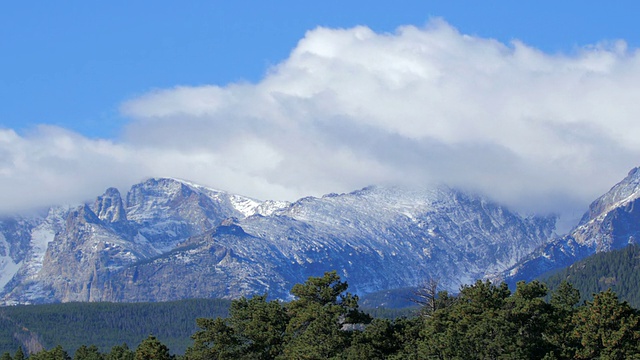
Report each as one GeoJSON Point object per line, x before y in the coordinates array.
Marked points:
{"type": "Point", "coordinates": [8, 266]}
{"type": "Point", "coordinates": [160, 239]}
{"type": "Point", "coordinates": [619, 195]}
{"type": "Point", "coordinates": [612, 222]}
{"type": "Point", "coordinates": [245, 205]}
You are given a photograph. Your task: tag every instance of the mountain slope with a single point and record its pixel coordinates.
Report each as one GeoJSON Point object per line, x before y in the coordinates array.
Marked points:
{"type": "Point", "coordinates": [616, 269]}
{"type": "Point", "coordinates": [169, 239]}
{"type": "Point", "coordinates": [612, 222]}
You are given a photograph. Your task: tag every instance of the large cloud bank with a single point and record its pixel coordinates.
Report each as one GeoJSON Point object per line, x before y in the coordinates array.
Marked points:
{"type": "Point", "coordinates": [351, 107]}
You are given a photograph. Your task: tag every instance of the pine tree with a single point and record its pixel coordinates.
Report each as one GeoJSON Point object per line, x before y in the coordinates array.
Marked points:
{"type": "Point", "coordinates": [57, 353]}
{"type": "Point", "coordinates": [261, 326]}
{"type": "Point", "coordinates": [319, 316]}
{"type": "Point", "coordinates": [215, 340]}
{"type": "Point", "coordinates": [152, 349]}
{"type": "Point", "coordinates": [121, 352]}
{"type": "Point", "coordinates": [254, 330]}
{"type": "Point", "coordinates": [607, 328]}
{"type": "Point", "coordinates": [88, 353]}
{"type": "Point", "coordinates": [19, 355]}
{"type": "Point", "coordinates": [564, 302]}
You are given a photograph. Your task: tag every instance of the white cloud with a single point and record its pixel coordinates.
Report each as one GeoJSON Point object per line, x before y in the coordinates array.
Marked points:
{"type": "Point", "coordinates": [351, 107]}
{"type": "Point", "coordinates": [55, 166]}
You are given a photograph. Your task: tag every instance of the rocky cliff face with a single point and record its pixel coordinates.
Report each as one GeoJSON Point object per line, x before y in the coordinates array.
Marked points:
{"type": "Point", "coordinates": [377, 238]}
{"type": "Point", "coordinates": [612, 222]}
{"type": "Point", "coordinates": [169, 239]}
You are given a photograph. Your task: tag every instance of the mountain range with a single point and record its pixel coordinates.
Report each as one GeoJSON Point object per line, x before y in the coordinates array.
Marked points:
{"type": "Point", "coordinates": [169, 239]}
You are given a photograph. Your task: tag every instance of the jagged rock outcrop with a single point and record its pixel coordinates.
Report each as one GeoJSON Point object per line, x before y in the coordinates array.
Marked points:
{"type": "Point", "coordinates": [109, 207]}
{"type": "Point", "coordinates": [170, 239]}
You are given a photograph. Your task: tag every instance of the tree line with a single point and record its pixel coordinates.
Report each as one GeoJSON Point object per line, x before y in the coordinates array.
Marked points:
{"type": "Point", "coordinates": [618, 270]}
{"type": "Point", "coordinates": [482, 321]}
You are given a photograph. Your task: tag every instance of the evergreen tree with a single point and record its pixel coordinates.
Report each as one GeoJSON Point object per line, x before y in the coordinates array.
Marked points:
{"type": "Point", "coordinates": [380, 339]}
{"type": "Point", "coordinates": [88, 353]}
{"type": "Point", "coordinates": [564, 302]}
{"type": "Point", "coordinates": [6, 356]}
{"type": "Point", "coordinates": [319, 318]}
{"type": "Point", "coordinates": [607, 329]}
{"type": "Point", "coordinates": [57, 353]}
{"type": "Point", "coordinates": [407, 335]}
{"type": "Point", "coordinates": [121, 352]}
{"type": "Point", "coordinates": [254, 330]}
{"type": "Point", "coordinates": [528, 319]}
{"type": "Point", "coordinates": [488, 322]}
{"type": "Point", "coordinates": [216, 340]}
{"type": "Point", "coordinates": [19, 355]}
{"type": "Point", "coordinates": [152, 349]}
{"type": "Point", "coordinates": [260, 325]}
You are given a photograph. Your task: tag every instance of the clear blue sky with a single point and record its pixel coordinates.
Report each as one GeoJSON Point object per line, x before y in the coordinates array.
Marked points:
{"type": "Point", "coordinates": [72, 63]}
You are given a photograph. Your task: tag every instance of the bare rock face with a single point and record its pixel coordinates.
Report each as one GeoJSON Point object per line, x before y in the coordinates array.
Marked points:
{"type": "Point", "coordinates": [27, 239]}
{"type": "Point", "coordinates": [108, 207]}
{"type": "Point", "coordinates": [169, 239]}
{"type": "Point", "coordinates": [377, 238]}
{"type": "Point", "coordinates": [82, 255]}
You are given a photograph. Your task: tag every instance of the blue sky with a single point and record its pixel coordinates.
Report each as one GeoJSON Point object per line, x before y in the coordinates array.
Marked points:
{"type": "Point", "coordinates": [72, 63]}
{"type": "Point", "coordinates": [533, 103]}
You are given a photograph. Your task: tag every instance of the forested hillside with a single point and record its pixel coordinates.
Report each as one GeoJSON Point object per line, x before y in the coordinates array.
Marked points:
{"type": "Point", "coordinates": [104, 324]}
{"type": "Point", "coordinates": [618, 270]}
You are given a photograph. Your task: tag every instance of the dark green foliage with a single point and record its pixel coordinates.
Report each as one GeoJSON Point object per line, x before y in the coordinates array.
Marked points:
{"type": "Point", "coordinates": [471, 328]}
{"type": "Point", "coordinates": [120, 352]}
{"type": "Point", "coordinates": [6, 356]}
{"type": "Point", "coordinates": [319, 318]}
{"type": "Point", "coordinates": [381, 339]}
{"type": "Point", "coordinates": [254, 330]}
{"type": "Point", "coordinates": [152, 349]}
{"type": "Point", "coordinates": [216, 340]}
{"type": "Point", "coordinates": [607, 329]}
{"type": "Point", "coordinates": [261, 325]}
{"type": "Point", "coordinates": [484, 321]}
{"type": "Point", "coordinates": [10, 332]}
{"type": "Point", "coordinates": [19, 354]}
{"type": "Point", "coordinates": [107, 324]}
{"type": "Point", "coordinates": [88, 353]}
{"type": "Point", "coordinates": [57, 353]}
{"type": "Point", "coordinates": [618, 270]}
{"type": "Point", "coordinates": [317, 325]}
{"type": "Point", "coordinates": [564, 302]}
{"type": "Point", "coordinates": [487, 322]}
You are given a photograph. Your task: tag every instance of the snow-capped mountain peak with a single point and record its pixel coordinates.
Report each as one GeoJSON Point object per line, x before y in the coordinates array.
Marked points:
{"type": "Point", "coordinates": [612, 222]}
{"type": "Point", "coordinates": [169, 239]}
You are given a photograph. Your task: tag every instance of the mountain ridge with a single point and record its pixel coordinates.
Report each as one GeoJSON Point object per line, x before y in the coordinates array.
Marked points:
{"type": "Point", "coordinates": [611, 222]}
{"type": "Point", "coordinates": [168, 239]}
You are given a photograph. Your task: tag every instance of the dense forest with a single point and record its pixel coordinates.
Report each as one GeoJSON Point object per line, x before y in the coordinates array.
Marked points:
{"type": "Point", "coordinates": [483, 321]}
{"type": "Point", "coordinates": [618, 270]}
{"type": "Point", "coordinates": [104, 324]}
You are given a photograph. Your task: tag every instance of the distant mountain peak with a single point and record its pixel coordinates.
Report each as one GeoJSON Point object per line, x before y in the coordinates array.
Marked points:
{"type": "Point", "coordinates": [109, 206]}
{"type": "Point", "coordinates": [168, 239]}
{"type": "Point", "coordinates": [623, 192]}
{"type": "Point", "coordinates": [612, 222]}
